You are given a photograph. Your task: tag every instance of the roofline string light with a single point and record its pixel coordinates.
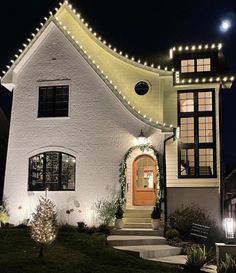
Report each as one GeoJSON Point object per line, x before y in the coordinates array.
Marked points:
{"type": "Point", "coordinates": [114, 49]}
{"type": "Point", "coordinates": [26, 44]}
{"type": "Point", "coordinates": [194, 48]}
{"type": "Point", "coordinates": [218, 79]}
{"type": "Point", "coordinates": [97, 67]}
{"type": "Point", "coordinates": [114, 87]}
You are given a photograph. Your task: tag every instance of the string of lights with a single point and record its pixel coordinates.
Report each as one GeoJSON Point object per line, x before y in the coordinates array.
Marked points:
{"type": "Point", "coordinates": [118, 93]}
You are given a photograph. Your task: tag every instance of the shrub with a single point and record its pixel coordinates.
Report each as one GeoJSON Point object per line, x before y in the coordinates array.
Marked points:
{"type": "Point", "coordinates": [104, 229]}
{"type": "Point", "coordinates": [156, 212]}
{"type": "Point", "coordinates": [4, 218]}
{"type": "Point", "coordinates": [228, 265]}
{"type": "Point", "coordinates": [67, 228]}
{"type": "Point", "coordinates": [183, 218]}
{"type": "Point", "coordinates": [197, 257]}
{"type": "Point", "coordinates": [106, 211]}
{"type": "Point", "coordinates": [91, 230]}
{"type": "Point", "coordinates": [82, 227]}
{"type": "Point", "coordinates": [119, 212]}
{"type": "Point", "coordinates": [23, 224]}
{"type": "Point", "coordinates": [172, 233]}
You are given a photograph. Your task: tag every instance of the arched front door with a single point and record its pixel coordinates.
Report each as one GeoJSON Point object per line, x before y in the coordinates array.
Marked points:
{"type": "Point", "coordinates": [144, 181]}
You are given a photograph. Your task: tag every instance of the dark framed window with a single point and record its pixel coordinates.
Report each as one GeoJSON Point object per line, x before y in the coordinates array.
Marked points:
{"type": "Point", "coordinates": [53, 101]}
{"type": "Point", "coordinates": [197, 145]}
{"type": "Point", "coordinates": [195, 65]}
{"type": "Point", "coordinates": [52, 170]}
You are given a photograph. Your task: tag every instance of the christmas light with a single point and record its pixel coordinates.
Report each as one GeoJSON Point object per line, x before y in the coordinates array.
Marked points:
{"type": "Point", "coordinates": [43, 227]}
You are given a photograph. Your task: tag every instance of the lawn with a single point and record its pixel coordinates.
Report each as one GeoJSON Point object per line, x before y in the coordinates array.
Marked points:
{"type": "Point", "coordinates": [72, 252]}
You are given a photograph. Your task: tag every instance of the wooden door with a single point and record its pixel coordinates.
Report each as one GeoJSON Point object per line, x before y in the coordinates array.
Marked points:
{"type": "Point", "coordinates": [144, 181]}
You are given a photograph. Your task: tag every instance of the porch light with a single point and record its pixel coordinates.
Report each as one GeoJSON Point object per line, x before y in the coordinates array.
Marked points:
{"type": "Point", "coordinates": [142, 140]}
{"type": "Point", "coordinates": [229, 228]}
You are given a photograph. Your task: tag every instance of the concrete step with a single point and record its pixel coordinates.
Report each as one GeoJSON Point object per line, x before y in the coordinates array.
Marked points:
{"type": "Point", "coordinates": [137, 232]}
{"type": "Point", "coordinates": [138, 225]}
{"type": "Point", "coordinates": [178, 259]}
{"type": "Point", "coordinates": [127, 240]}
{"type": "Point", "coordinates": [151, 251]}
{"type": "Point", "coordinates": [137, 220]}
{"type": "Point", "coordinates": [129, 207]}
{"type": "Point", "coordinates": [130, 211]}
{"type": "Point", "coordinates": [137, 215]}
{"type": "Point", "coordinates": [181, 260]}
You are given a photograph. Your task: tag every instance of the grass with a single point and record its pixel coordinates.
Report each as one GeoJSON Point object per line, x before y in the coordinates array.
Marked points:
{"type": "Point", "coordinates": [73, 252]}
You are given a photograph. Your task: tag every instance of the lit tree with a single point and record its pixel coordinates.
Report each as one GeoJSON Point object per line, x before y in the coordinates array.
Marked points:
{"type": "Point", "coordinates": [44, 224]}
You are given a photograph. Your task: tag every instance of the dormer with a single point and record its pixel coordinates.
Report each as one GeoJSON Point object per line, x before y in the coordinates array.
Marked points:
{"type": "Point", "coordinates": [199, 64]}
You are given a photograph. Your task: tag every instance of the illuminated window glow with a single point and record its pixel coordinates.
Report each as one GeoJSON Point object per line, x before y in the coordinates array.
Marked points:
{"type": "Point", "coordinates": [52, 170]}
{"type": "Point", "coordinates": [187, 66]}
{"type": "Point", "coordinates": [203, 65]}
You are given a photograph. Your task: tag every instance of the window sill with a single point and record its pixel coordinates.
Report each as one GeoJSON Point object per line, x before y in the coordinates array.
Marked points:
{"type": "Point", "coordinates": [49, 118]}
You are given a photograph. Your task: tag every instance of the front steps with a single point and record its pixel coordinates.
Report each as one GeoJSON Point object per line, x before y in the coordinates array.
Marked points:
{"type": "Point", "coordinates": [136, 232]}
{"type": "Point", "coordinates": [138, 218]}
{"type": "Point", "coordinates": [146, 243]}
{"type": "Point", "coordinates": [127, 240]}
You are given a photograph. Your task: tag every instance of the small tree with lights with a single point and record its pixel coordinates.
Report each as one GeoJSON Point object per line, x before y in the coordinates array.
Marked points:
{"type": "Point", "coordinates": [44, 224]}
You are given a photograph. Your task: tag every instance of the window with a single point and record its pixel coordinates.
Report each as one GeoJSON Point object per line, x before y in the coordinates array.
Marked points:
{"type": "Point", "coordinates": [187, 66]}
{"type": "Point", "coordinates": [141, 88]}
{"type": "Point", "coordinates": [203, 65]}
{"type": "Point", "coordinates": [196, 65]}
{"type": "Point", "coordinates": [196, 117]}
{"type": "Point", "coordinates": [52, 170]}
{"type": "Point", "coordinates": [53, 101]}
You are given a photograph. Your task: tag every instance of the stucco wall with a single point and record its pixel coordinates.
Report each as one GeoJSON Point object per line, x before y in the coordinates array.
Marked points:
{"type": "Point", "coordinates": [205, 198]}
{"type": "Point", "coordinates": [98, 132]}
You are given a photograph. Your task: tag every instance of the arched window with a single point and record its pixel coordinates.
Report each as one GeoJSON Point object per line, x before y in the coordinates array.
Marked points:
{"type": "Point", "coordinates": [52, 170]}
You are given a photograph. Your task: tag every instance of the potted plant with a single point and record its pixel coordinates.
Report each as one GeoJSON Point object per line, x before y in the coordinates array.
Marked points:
{"type": "Point", "coordinates": [156, 216]}
{"type": "Point", "coordinates": [119, 215]}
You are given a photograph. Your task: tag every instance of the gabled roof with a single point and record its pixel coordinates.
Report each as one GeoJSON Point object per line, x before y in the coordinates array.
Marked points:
{"type": "Point", "coordinates": [100, 56]}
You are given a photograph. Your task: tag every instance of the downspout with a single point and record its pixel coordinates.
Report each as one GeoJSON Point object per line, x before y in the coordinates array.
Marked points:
{"type": "Point", "coordinates": [221, 156]}
{"type": "Point", "coordinates": [164, 171]}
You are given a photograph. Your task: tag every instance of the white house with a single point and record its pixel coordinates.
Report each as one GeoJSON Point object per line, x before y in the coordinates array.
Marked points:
{"type": "Point", "coordinates": [79, 106]}
{"type": "Point", "coordinates": [4, 128]}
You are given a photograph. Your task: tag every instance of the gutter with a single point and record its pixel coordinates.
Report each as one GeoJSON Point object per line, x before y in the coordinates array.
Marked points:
{"type": "Point", "coordinates": [164, 171]}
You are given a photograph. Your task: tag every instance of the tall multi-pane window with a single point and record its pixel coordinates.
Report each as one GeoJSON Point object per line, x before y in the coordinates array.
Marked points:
{"type": "Point", "coordinates": [52, 170]}
{"type": "Point", "coordinates": [197, 146]}
{"type": "Point", "coordinates": [53, 101]}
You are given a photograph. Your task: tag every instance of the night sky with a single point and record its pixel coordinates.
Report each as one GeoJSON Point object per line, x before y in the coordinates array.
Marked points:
{"type": "Point", "coordinates": [142, 29]}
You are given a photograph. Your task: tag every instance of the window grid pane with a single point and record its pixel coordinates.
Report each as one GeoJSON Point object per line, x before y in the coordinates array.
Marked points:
{"type": "Point", "coordinates": [186, 102]}
{"type": "Point", "coordinates": [203, 65]}
{"type": "Point", "coordinates": [187, 162]}
{"type": "Point", "coordinates": [204, 101]}
{"type": "Point", "coordinates": [206, 162]}
{"type": "Point", "coordinates": [205, 126]}
{"type": "Point", "coordinates": [36, 171]}
{"type": "Point", "coordinates": [52, 170]}
{"type": "Point", "coordinates": [187, 66]}
{"type": "Point", "coordinates": [187, 130]}
{"type": "Point", "coordinates": [68, 172]}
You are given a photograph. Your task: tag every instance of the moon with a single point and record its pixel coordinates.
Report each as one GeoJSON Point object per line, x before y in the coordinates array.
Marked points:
{"type": "Point", "coordinates": [225, 25]}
